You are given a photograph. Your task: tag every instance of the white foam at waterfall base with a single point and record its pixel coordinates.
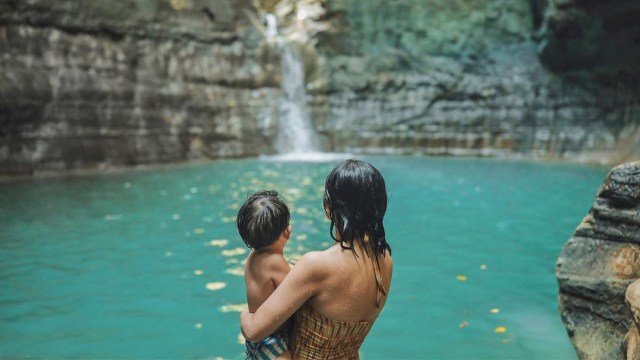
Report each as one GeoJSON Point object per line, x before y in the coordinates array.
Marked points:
{"type": "Point", "coordinates": [308, 157]}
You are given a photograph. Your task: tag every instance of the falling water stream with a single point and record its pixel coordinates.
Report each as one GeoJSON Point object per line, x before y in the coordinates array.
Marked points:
{"type": "Point", "coordinates": [296, 136]}
{"type": "Point", "coordinates": [295, 132]}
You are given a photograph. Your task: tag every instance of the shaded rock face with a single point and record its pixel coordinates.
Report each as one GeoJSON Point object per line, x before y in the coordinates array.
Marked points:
{"type": "Point", "coordinates": [96, 83]}
{"type": "Point", "coordinates": [587, 34]}
{"type": "Point", "coordinates": [596, 266]}
{"type": "Point", "coordinates": [464, 77]}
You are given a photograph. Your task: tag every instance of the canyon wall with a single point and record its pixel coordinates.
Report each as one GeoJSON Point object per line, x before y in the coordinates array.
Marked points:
{"type": "Point", "coordinates": [94, 84]}
{"type": "Point", "coordinates": [97, 84]}
{"type": "Point", "coordinates": [466, 78]}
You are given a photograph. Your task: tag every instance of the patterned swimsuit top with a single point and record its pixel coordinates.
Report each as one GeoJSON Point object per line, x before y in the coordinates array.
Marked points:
{"type": "Point", "coordinates": [317, 337]}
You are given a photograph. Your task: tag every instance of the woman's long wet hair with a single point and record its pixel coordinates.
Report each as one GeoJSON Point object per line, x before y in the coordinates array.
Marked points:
{"type": "Point", "coordinates": [355, 199]}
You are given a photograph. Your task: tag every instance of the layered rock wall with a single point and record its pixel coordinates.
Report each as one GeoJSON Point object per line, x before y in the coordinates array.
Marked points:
{"type": "Point", "coordinates": [96, 83]}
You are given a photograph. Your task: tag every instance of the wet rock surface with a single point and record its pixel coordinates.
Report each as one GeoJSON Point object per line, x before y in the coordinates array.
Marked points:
{"type": "Point", "coordinates": [598, 264]}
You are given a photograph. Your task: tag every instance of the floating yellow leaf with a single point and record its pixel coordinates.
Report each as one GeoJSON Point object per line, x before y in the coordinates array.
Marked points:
{"type": "Point", "coordinates": [494, 311]}
{"type": "Point", "coordinates": [176, 216]}
{"type": "Point", "coordinates": [234, 252]}
{"type": "Point", "coordinates": [216, 286]}
{"type": "Point", "coordinates": [112, 217]}
{"type": "Point", "coordinates": [238, 271]}
{"type": "Point", "coordinates": [301, 237]}
{"type": "Point", "coordinates": [461, 278]}
{"type": "Point", "coordinates": [180, 4]}
{"type": "Point", "coordinates": [463, 324]}
{"type": "Point", "coordinates": [234, 308]}
{"type": "Point", "coordinates": [198, 326]}
{"type": "Point", "coordinates": [301, 211]}
{"type": "Point", "coordinates": [198, 272]}
{"type": "Point", "coordinates": [501, 329]}
{"type": "Point", "coordinates": [198, 231]}
{"type": "Point", "coordinates": [219, 242]}
{"type": "Point", "coordinates": [483, 267]}
{"type": "Point", "coordinates": [228, 219]}
{"type": "Point", "coordinates": [231, 261]}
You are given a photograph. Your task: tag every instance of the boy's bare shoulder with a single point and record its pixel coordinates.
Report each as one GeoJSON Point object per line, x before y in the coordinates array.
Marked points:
{"type": "Point", "coordinates": [266, 261]}
{"type": "Point", "coordinates": [276, 262]}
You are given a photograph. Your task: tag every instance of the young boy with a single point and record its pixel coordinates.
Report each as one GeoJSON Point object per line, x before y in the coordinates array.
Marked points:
{"type": "Point", "coordinates": [263, 224]}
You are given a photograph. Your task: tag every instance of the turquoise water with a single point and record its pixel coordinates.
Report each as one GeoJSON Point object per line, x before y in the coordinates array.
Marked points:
{"type": "Point", "coordinates": [135, 264]}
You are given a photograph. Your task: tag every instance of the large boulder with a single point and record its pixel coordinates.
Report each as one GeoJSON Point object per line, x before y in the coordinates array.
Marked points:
{"type": "Point", "coordinates": [598, 263]}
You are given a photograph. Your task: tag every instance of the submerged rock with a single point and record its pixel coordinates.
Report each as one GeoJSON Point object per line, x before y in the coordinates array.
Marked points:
{"type": "Point", "coordinates": [597, 265]}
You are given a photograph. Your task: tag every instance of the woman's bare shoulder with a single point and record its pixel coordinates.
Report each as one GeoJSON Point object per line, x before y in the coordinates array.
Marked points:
{"type": "Point", "coordinates": [315, 262]}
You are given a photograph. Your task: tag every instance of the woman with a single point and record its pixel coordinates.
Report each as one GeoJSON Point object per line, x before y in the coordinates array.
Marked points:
{"type": "Point", "coordinates": [339, 292]}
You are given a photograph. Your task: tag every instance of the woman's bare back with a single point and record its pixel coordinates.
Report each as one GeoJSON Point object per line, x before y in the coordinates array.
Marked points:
{"type": "Point", "coordinates": [349, 289]}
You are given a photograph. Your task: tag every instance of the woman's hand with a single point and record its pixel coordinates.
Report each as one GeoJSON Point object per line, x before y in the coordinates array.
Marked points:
{"type": "Point", "coordinates": [245, 322]}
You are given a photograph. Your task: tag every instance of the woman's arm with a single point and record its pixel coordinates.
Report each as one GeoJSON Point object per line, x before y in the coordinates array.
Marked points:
{"type": "Point", "coordinates": [298, 286]}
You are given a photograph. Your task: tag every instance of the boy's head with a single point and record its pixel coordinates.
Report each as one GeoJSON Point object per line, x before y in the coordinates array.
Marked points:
{"type": "Point", "coordinates": [262, 219]}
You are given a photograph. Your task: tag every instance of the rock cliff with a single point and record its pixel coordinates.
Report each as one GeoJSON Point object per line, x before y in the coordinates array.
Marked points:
{"type": "Point", "coordinates": [464, 77]}
{"type": "Point", "coordinates": [95, 84]}
{"type": "Point", "coordinates": [596, 266]}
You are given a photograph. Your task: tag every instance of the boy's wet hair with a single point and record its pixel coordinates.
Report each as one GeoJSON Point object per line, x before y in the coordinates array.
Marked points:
{"type": "Point", "coordinates": [262, 219]}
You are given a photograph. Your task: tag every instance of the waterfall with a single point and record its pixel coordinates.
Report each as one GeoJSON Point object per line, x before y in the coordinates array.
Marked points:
{"type": "Point", "coordinates": [272, 27]}
{"type": "Point", "coordinates": [297, 139]}
{"type": "Point", "coordinates": [296, 134]}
